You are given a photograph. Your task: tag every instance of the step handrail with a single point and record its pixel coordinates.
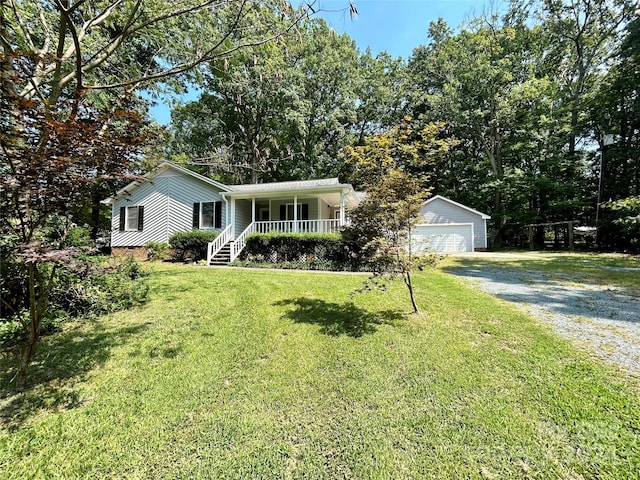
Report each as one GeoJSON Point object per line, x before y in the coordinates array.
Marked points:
{"type": "Point", "coordinates": [241, 241]}
{"type": "Point", "coordinates": [219, 242]}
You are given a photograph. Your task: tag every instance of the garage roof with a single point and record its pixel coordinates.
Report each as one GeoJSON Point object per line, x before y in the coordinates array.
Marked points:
{"type": "Point", "coordinates": [484, 216]}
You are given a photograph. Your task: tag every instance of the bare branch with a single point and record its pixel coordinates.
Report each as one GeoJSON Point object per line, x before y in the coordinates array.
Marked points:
{"type": "Point", "coordinates": [76, 42]}
{"type": "Point", "coordinates": [62, 56]}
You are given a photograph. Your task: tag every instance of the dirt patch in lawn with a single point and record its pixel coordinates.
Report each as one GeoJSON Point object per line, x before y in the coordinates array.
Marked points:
{"type": "Point", "coordinates": [603, 318]}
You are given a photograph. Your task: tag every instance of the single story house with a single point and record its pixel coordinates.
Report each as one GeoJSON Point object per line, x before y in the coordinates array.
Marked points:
{"type": "Point", "coordinates": [449, 226]}
{"type": "Point", "coordinates": [173, 199]}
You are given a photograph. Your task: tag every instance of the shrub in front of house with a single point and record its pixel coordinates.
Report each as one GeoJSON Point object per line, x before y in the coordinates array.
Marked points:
{"type": "Point", "coordinates": [99, 286]}
{"type": "Point", "coordinates": [191, 245]}
{"type": "Point", "coordinates": [312, 251]}
{"type": "Point", "coordinates": [158, 251]}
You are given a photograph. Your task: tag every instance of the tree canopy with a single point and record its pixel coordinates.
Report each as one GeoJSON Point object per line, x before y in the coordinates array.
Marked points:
{"type": "Point", "coordinates": [527, 95]}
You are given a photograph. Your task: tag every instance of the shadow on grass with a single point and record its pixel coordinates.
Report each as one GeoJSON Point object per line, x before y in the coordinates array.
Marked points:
{"type": "Point", "coordinates": [59, 358]}
{"type": "Point", "coordinates": [338, 319]}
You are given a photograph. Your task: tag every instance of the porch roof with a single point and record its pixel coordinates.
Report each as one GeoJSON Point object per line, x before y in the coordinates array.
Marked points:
{"type": "Point", "coordinates": [291, 185]}
{"type": "Point", "coordinates": [320, 188]}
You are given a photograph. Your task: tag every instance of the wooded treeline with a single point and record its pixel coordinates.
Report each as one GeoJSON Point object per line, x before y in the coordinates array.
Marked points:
{"type": "Point", "coordinates": [529, 96]}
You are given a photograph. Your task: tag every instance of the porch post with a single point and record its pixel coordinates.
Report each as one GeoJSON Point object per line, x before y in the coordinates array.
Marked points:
{"type": "Point", "coordinates": [295, 213]}
{"type": "Point", "coordinates": [233, 217]}
{"type": "Point", "coordinates": [253, 209]}
{"type": "Point", "coordinates": [341, 208]}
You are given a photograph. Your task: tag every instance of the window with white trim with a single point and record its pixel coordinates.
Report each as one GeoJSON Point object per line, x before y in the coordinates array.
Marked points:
{"type": "Point", "coordinates": [207, 215]}
{"type": "Point", "coordinates": [131, 218]}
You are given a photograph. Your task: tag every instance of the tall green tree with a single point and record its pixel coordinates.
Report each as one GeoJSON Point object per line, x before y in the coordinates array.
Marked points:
{"type": "Point", "coordinates": [235, 126]}
{"type": "Point", "coordinates": [580, 36]}
{"type": "Point", "coordinates": [472, 80]}
{"type": "Point", "coordinates": [517, 91]}
{"type": "Point", "coordinates": [274, 112]}
{"type": "Point", "coordinates": [286, 110]}
{"type": "Point", "coordinates": [380, 86]}
{"type": "Point", "coordinates": [615, 116]}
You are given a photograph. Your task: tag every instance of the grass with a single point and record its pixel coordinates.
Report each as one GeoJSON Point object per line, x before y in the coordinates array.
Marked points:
{"type": "Point", "coordinates": [231, 373]}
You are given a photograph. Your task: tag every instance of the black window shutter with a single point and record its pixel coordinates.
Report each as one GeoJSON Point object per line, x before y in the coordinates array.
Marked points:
{"type": "Point", "coordinates": [305, 211]}
{"type": "Point", "coordinates": [196, 216]}
{"type": "Point", "coordinates": [283, 212]}
{"type": "Point", "coordinates": [217, 222]}
{"type": "Point", "coordinates": [140, 218]}
{"type": "Point", "coordinates": [123, 214]}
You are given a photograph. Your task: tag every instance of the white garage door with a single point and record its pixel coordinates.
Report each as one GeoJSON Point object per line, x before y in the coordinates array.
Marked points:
{"type": "Point", "coordinates": [443, 237]}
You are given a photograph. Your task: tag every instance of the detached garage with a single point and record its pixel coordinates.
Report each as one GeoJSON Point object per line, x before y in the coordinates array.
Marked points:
{"type": "Point", "coordinates": [450, 227]}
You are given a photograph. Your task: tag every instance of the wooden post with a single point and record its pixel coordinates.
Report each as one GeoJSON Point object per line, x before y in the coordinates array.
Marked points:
{"type": "Point", "coordinates": [253, 209]}
{"type": "Point", "coordinates": [571, 247]}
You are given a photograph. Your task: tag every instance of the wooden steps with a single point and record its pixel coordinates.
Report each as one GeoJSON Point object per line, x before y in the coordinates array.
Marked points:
{"type": "Point", "coordinates": [223, 257]}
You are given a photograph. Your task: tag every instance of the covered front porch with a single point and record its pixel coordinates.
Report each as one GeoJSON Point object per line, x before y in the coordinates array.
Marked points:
{"type": "Point", "coordinates": [280, 208]}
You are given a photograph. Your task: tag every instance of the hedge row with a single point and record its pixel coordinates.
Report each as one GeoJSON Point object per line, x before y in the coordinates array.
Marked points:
{"type": "Point", "coordinates": [299, 250]}
{"type": "Point", "coordinates": [191, 245]}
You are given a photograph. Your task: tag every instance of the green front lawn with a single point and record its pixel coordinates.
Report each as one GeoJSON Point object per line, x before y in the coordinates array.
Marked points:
{"type": "Point", "coordinates": [231, 373]}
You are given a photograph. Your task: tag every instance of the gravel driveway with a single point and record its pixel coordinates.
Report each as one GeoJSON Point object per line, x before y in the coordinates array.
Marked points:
{"type": "Point", "coordinates": [603, 318]}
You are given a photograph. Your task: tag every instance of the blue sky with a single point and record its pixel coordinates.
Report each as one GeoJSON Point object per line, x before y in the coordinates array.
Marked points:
{"type": "Point", "coordinates": [397, 26]}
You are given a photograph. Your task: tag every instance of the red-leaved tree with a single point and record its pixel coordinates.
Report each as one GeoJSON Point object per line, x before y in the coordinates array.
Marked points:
{"type": "Point", "coordinates": [50, 162]}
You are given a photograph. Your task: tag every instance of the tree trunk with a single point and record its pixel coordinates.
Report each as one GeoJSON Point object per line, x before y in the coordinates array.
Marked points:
{"type": "Point", "coordinates": [38, 304]}
{"type": "Point", "coordinates": [95, 211]}
{"type": "Point", "coordinates": [406, 276]}
{"type": "Point", "coordinates": [35, 318]}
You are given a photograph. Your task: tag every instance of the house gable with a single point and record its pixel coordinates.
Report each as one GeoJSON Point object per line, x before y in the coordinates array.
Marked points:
{"type": "Point", "coordinates": [168, 197]}
{"type": "Point", "coordinates": [447, 207]}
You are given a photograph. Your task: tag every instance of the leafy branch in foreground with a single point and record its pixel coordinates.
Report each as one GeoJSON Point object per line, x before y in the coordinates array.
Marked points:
{"type": "Point", "coordinates": [97, 44]}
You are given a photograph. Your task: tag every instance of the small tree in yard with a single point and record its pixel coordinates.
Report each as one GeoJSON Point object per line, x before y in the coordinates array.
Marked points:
{"type": "Point", "coordinates": [390, 166]}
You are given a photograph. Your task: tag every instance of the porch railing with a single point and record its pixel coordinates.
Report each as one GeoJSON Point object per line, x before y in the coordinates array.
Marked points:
{"type": "Point", "coordinates": [299, 226]}
{"type": "Point", "coordinates": [219, 242]}
{"type": "Point", "coordinates": [241, 240]}
{"type": "Point", "coordinates": [279, 226]}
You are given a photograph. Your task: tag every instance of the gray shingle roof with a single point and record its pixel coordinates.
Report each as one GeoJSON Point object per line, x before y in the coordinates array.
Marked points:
{"type": "Point", "coordinates": [280, 186]}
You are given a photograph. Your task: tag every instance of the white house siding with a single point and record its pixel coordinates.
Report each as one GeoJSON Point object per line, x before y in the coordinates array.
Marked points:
{"type": "Point", "coordinates": [440, 211]}
{"type": "Point", "coordinates": [168, 206]}
{"type": "Point", "coordinates": [243, 216]}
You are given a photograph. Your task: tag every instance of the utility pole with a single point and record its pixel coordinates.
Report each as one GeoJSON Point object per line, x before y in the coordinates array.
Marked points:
{"type": "Point", "coordinates": [606, 141]}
